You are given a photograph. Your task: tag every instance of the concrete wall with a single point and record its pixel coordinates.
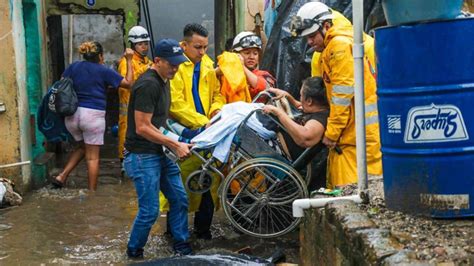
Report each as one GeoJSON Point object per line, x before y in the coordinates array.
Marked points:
{"type": "Point", "coordinates": [341, 234]}
{"type": "Point", "coordinates": [37, 77]}
{"type": "Point", "coordinates": [15, 138]}
{"type": "Point", "coordinates": [129, 9]}
{"type": "Point", "coordinates": [106, 29]}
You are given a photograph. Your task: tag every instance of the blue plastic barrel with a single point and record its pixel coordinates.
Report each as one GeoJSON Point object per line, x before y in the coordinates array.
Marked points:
{"type": "Point", "coordinates": [426, 112]}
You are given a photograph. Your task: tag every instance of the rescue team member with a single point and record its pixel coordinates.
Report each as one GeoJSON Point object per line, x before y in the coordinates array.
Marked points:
{"type": "Point", "coordinates": [249, 46]}
{"type": "Point", "coordinates": [145, 162]}
{"type": "Point", "coordinates": [241, 80]}
{"type": "Point", "coordinates": [314, 21]}
{"type": "Point", "coordinates": [339, 21]}
{"type": "Point", "coordinates": [139, 42]}
{"type": "Point", "coordinates": [195, 98]}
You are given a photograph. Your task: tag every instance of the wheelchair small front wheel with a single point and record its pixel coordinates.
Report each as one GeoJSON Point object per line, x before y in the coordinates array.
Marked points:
{"type": "Point", "coordinates": [199, 182]}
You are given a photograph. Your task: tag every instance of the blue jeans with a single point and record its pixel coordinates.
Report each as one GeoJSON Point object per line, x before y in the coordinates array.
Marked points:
{"type": "Point", "coordinates": [152, 173]}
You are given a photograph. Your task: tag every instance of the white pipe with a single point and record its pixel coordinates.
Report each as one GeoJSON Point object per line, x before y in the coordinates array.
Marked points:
{"type": "Point", "coordinates": [300, 205]}
{"type": "Point", "coordinates": [14, 164]}
{"type": "Point", "coordinates": [358, 52]}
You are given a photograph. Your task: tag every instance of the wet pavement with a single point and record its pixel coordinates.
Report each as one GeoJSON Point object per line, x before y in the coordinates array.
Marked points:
{"type": "Point", "coordinates": [74, 225]}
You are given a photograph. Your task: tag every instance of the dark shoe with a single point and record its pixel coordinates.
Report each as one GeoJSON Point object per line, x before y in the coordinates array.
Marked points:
{"type": "Point", "coordinates": [182, 248]}
{"type": "Point", "coordinates": [135, 254]}
{"type": "Point", "coordinates": [203, 235]}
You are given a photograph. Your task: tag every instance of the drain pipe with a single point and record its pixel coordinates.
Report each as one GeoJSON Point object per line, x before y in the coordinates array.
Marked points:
{"type": "Point", "coordinates": [358, 51]}
{"type": "Point", "coordinates": [14, 164]}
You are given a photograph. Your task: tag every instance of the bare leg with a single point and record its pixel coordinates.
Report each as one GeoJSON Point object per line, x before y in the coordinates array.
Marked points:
{"type": "Point", "coordinates": [92, 158]}
{"type": "Point", "coordinates": [74, 159]}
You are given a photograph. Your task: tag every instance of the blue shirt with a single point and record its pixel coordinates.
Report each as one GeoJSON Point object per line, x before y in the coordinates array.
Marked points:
{"type": "Point", "coordinates": [197, 99]}
{"type": "Point", "coordinates": [90, 81]}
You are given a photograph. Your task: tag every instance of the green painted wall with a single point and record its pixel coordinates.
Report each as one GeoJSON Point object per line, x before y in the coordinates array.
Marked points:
{"type": "Point", "coordinates": [33, 80]}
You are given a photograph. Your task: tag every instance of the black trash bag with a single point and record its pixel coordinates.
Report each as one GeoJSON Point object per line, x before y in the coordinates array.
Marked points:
{"type": "Point", "coordinates": [285, 55]}
{"type": "Point", "coordinates": [289, 57]}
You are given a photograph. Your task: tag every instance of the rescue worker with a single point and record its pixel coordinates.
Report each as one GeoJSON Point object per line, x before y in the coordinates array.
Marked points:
{"type": "Point", "coordinates": [339, 20]}
{"type": "Point", "coordinates": [195, 99]}
{"type": "Point", "coordinates": [139, 42]}
{"type": "Point", "coordinates": [314, 21]}
{"type": "Point", "coordinates": [241, 80]}
{"type": "Point", "coordinates": [249, 46]}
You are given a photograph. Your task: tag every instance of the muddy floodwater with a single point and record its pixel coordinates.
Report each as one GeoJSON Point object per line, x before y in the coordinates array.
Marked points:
{"type": "Point", "coordinates": [74, 225]}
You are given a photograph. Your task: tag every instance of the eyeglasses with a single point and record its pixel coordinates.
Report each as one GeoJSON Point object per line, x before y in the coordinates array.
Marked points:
{"type": "Point", "coordinates": [250, 41]}
{"type": "Point", "coordinates": [142, 36]}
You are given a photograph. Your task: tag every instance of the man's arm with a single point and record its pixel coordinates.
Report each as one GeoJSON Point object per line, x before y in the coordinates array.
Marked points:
{"type": "Point", "coordinates": [147, 130]}
{"type": "Point", "coordinates": [341, 64]}
{"type": "Point", "coordinates": [183, 112]}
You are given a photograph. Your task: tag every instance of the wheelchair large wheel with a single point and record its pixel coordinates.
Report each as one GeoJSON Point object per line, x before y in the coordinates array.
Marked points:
{"type": "Point", "coordinates": [257, 197]}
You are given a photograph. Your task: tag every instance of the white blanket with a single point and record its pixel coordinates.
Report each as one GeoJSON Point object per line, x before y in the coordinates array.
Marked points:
{"type": "Point", "coordinates": [222, 132]}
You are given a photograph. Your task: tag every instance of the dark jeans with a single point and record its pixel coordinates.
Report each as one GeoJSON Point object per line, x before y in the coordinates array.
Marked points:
{"type": "Point", "coordinates": [202, 218]}
{"type": "Point", "coordinates": [152, 173]}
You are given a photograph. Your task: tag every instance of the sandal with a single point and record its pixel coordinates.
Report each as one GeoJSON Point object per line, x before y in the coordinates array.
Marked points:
{"type": "Point", "coordinates": [56, 183]}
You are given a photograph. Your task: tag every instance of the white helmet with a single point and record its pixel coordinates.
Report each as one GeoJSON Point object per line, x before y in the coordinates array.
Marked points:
{"type": "Point", "coordinates": [138, 34]}
{"type": "Point", "coordinates": [310, 18]}
{"type": "Point", "coordinates": [245, 40]}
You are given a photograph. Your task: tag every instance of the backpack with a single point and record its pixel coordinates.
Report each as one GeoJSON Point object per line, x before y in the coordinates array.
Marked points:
{"type": "Point", "coordinates": [51, 124]}
{"type": "Point", "coordinates": [63, 98]}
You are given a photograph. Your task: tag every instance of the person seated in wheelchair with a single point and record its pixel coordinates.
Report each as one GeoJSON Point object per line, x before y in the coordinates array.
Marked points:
{"type": "Point", "coordinates": [307, 130]}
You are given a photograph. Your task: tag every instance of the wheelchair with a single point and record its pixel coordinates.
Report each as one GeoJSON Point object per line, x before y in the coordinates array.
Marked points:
{"type": "Point", "coordinates": [260, 182]}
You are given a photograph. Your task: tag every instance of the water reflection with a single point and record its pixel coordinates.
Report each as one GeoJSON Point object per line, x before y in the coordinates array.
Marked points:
{"type": "Point", "coordinates": [74, 225]}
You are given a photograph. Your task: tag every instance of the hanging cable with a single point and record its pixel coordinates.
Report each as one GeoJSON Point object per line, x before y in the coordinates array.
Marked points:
{"type": "Point", "coordinates": [146, 14]}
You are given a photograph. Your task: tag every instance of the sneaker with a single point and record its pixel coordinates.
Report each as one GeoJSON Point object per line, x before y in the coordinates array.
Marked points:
{"type": "Point", "coordinates": [182, 248]}
{"type": "Point", "coordinates": [135, 254]}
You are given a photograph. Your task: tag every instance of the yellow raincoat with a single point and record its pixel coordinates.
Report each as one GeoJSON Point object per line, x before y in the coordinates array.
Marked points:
{"type": "Point", "coordinates": [341, 21]}
{"type": "Point", "coordinates": [139, 66]}
{"type": "Point", "coordinates": [182, 104]}
{"type": "Point", "coordinates": [338, 73]}
{"type": "Point", "coordinates": [184, 112]}
{"type": "Point", "coordinates": [234, 82]}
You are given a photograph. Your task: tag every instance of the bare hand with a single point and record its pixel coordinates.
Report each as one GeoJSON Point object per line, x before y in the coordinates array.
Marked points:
{"type": "Point", "coordinates": [241, 59]}
{"type": "Point", "coordinates": [218, 71]}
{"type": "Point", "coordinates": [270, 109]}
{"type": "Point", "coordinates": [183, 150]}
{"type": "Point", "coordinates": [128, 54]}
{"type": "Point", "coordinates": [278, 93]}
{"type": "Point", "coordinates": [214, 113]}
{"type": "Point", "coordinates": [329, 143]}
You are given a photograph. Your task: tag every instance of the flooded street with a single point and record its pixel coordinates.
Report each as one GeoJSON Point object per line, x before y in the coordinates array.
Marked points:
{"type": "Point", "coordinates": [74, 225]}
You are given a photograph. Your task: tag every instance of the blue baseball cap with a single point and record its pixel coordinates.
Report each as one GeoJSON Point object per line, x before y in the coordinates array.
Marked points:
{"type": "Point", "coordinates": [170, 50]}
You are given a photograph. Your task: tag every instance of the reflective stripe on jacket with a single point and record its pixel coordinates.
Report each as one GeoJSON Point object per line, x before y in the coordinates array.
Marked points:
{"type": "Point", "coordinates": [337, 64]}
